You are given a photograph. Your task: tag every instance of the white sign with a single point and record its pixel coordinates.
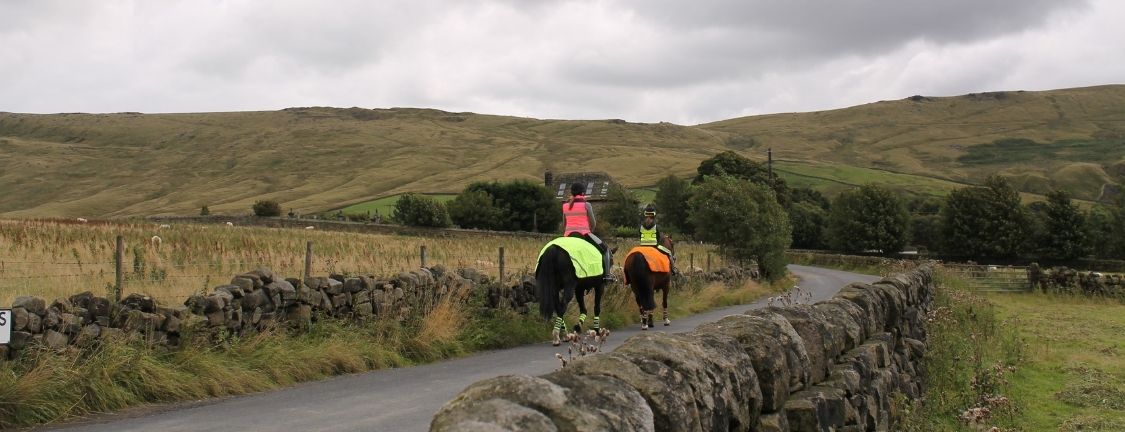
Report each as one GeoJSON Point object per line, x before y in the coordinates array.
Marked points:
{"type": "Point", "coordinates": [5, 326]}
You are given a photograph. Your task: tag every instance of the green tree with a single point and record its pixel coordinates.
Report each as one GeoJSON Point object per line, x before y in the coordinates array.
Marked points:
{"type": "Point", "coordinates": [808, 221]}
{"type": "Point", "coordinates": [744, 220]}
{"type": "Point", "coordinates": [523, 205]}
{"type": "Point", "coordinates": [620, 209]}
{"type": "Point", "coordinates": [732, 164]}
{"type": "Point", "coordinates": [1099, 233]}
{"type": "Point", "coordinates": [925, 231]}
{"type": "Point", "coordinates": [266, 208]}
{"type": "Point", "coordinates": [984, 222]}
{"type": "Point", "coordinates": [672, 195]}
{"type": "Point", "coordinates": [1060, 234]}
{"type": "Point", "coordinates": [809, 196]}
{"type": "Point", "coordinates": [475, 209]}
{"type": "Point", "coordinates": [420, 210]}
{"type": "Point", "coordinates": [869, 218]}
{"type": "Point", "coordinates": [205, 211]}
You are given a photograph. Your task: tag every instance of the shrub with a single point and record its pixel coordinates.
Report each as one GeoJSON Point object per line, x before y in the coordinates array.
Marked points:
{"type": "Point", "coordinates": [744, 220]}
{"type": "Point", "coordinates": [266, 208]}
{"type": "Point", "coordinates": [868, 218]}
{"type": "Point", "coordinates": [420, 210]}
{"type": "Point", "coordinates": [205, 211]}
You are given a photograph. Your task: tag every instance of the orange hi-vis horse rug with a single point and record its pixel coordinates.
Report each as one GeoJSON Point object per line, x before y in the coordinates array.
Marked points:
{"type": "Point", "coordinates": [657, 261]}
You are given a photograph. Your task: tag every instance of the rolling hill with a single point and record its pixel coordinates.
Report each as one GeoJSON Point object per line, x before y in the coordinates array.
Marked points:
{"type": "Point", "coordinates": [316, 159]}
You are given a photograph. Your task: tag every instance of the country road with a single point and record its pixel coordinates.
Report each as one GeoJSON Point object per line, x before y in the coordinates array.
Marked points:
{"type": "Point", "coordinates": [394, 399]}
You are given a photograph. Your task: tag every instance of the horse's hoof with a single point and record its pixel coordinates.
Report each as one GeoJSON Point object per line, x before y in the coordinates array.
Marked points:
{"type": "Point", "coordinates": [555, 338]}
{"type": "Point", "coordinates": [667, 322]}
{"type": "Point", "coordinates": [578, 328]}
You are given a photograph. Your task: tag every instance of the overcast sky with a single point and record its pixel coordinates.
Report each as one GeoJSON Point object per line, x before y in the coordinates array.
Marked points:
{"type": "Point", "coordinates": [642, 60]}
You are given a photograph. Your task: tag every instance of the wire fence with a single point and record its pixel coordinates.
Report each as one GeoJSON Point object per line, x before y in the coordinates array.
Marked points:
{"type": "Point", "coordinates": [172, 280]}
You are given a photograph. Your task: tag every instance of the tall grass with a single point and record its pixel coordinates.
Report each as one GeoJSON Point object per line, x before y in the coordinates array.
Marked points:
{"type": "Point", "coordinates": [970, 356]}
{"type": "Point", "coordinates": [51, 259]}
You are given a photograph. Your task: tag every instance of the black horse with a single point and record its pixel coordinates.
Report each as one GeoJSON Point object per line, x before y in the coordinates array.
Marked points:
{"type": "Point", "coordinates": [557, 282]}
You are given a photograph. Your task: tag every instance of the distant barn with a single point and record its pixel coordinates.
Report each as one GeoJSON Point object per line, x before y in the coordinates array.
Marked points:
{"type": "Point", "coordinates": [597, 184]}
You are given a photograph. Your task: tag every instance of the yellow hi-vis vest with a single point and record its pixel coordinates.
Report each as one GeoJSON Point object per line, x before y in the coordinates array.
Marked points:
{"type": "Point", "coordinates": [586, 258]}
{"type": "Point", "coordinates": [648, 236]}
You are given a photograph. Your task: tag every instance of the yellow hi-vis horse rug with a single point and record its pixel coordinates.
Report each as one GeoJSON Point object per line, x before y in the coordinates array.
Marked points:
{"type": "Point", "coordinates": [657, 261]}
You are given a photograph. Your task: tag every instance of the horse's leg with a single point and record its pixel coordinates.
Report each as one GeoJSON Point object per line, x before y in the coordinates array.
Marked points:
{"type": "Point", "coordinates": [667, 287]}
{"type": "Point", "coordinates": [599, 289]}
{"type": "Point", "coordinates": [580, 296]}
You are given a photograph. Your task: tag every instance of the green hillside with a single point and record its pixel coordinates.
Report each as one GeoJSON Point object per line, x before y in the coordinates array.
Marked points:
{"type": "Point", "coordinates": [318, 159]}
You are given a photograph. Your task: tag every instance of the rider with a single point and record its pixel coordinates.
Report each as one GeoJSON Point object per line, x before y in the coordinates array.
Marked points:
{"type": "Point", "coordinates": [651, 236]}
{"type": "Point", "coordinates": [580, 221]}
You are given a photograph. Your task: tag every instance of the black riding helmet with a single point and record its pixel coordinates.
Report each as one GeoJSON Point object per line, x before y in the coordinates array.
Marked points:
{"type": "Point", "coordinates": [650, 210]}
{"type": "Point", "coordinates": [578, 189]}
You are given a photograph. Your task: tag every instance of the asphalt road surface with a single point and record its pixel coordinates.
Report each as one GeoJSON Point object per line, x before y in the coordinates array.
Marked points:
{"type": "Point", "coordinates": [402, 399]}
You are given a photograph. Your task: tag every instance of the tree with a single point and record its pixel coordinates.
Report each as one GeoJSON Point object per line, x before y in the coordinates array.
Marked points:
{"type": "Point", "coordinates": [420, 210]}
{"type": "Point", "coordinates": [1099, 232]}
{"type": "Point", "coordinates": [868, 218]}
{"type": "Point", "coordinates": [1117, 245]}
{"type": "Point", "coordinates": [744, 220]}
{"type": "Point", "coordinates": [672, 195]}
{"type": "Point", "coordinates": [808, 221]}
{"type": "Point", "coordinates": [475, 209]}
{"type": "Point", "coordinates": [925, 231]}
{"type": "Point", "coordinates": [809, 196]}
{"type": "Point", "coordinates": [620, 209]}
{"type": "Point", "coordinates": [732, 164]}
{"type": "Point", "coordinates": [1060, 234]}
{"type": "Point", "coordinates": [205, 211]}
{"type": "Point", "coordinates": [984, 222]}
{"type": "Point", "coordinates": [523, 205]}
{"type": "Point", "coordinates": [266, 208]}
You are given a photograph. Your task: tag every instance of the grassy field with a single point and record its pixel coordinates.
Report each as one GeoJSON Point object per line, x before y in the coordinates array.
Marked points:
{"type": "Point", "coordinates": [1073, 374]}
{"type": "Point", "coordinates": [60, 258]}
{"type": "Point", "coordinates": [385, 206]}
{"type": "Point", "coordinates": [318, 159]}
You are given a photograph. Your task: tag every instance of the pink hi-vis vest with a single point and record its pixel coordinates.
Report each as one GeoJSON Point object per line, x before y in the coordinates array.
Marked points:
{"type": "Point", "coordinates": [577, 220]}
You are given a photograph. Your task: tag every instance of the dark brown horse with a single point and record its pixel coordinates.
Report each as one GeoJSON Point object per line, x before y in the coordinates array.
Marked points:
{"type": "Point", "coordinates": [645, 281]}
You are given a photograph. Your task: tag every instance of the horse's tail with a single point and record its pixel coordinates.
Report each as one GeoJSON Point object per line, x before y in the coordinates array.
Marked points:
{"type": "Point", "coordinates": [548, 278]}
{"type": "Point", "coordinates": [640, 278]}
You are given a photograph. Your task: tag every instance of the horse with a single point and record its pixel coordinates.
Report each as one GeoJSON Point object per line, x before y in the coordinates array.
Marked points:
{"type": "Point", "coordinates": [557, 281]}
{"type": "Point", "coordinates": [648, 270]}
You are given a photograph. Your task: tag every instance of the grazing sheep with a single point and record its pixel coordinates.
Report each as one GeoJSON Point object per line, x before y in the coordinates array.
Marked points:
{"type": "Point", "coordinates": [165, 226]}
{"type": "Point", "coordinates": [230, 223]}
{"type": "Point", "coordinates": [310, 227]}
{"type": "Point", "coordinates": [155, 241]}
{"type": "Point", "coordinates": [82, 220]}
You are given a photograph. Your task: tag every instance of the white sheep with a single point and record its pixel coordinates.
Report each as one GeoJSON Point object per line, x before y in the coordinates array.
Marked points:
{"type": "Point", "coordinates": [82, 220]}
{"type": "Point", "coordinates": [165, 226]}
{"type": "Point", "coordinates": [156, 241]}
{"type": "Point", "coordinates": [310, 227]}
{"type": "Point", "coordinates": [230, 223]}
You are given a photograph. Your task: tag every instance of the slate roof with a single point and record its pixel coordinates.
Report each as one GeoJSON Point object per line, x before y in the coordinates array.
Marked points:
{"type": "Point", "coordinates": [597, 184]}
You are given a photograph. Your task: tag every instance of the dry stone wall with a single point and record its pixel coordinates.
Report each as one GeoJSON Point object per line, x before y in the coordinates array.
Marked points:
{"type": "Point", "coordinates": [832, 366]}
{"type": "Point", "coordinates": [259, 299]}
{"type": "Point", "coordinates": [1068, 281]}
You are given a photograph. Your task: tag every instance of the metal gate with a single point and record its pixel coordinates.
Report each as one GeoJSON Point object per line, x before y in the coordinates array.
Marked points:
{"type": "Point", "coordinates": [989, 278]}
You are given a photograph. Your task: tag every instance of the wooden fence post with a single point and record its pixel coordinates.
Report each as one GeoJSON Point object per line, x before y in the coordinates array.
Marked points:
{"type": "Point", "coordinates": [423, 249]}
{"type": "Point", "coordinates": [708, 262]}
{"type": "Point", "coordinates": [308, 259]}
{"type": "Point", "coordinates": [119, 264]}
{"type": "Point", "coordinates": [691, 261]}
{"type": "Point", "coordinates": [501, 264]}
